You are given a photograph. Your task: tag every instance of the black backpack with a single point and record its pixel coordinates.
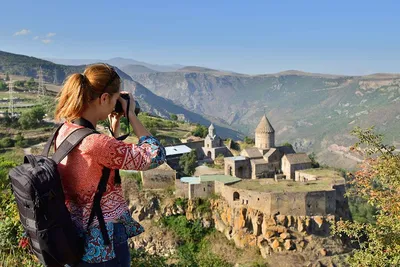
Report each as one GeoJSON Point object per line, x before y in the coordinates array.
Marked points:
{"type": "Point", "coordinates": [38, 191]}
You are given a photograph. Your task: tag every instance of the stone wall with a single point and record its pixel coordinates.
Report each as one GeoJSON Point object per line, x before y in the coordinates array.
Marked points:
{"type": "Point", "coordinates": [202, 190]}
{"type": "Point", "coordinates": [304, 177]}
{"type": "Point", "coordinates": [286, 203]}
{"type": "Point", "coordinates": [266, 170]}
{"type": "Point", "coordinates": [181, 189]}
{"type": "Point", "coordinates": [197, 145]}
{"type": "Point", "coordinates": [240, 169]}
{"type": "Point", "coordinates": [158, 178]}
{"type": "Point", "coordinates": [214, 152]}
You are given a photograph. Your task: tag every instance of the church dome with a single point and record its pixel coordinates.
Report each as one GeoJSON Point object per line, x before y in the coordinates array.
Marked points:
{"type": "Point", "coordinates": [264, 126]}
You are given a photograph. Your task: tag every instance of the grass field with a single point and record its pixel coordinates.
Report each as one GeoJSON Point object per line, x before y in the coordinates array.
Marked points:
{"type": "Point", "coordinates": [269, 185]}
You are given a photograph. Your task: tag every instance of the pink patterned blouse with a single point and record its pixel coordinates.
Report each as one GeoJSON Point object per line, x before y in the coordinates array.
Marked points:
{"type": "Point", "coordinates": [81, 171]}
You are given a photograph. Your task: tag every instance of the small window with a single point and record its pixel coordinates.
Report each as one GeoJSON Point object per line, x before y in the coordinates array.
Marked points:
{"type": "Point", "coordinates": [204, 189]}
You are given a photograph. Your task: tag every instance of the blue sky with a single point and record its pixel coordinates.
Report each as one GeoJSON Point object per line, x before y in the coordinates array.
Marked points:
{"type": "Point", "coordinates": [339, 37]}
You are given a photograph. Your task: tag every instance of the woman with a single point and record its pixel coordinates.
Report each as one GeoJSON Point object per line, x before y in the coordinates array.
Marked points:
{"type": "Point", "coordinates": [91, 97]}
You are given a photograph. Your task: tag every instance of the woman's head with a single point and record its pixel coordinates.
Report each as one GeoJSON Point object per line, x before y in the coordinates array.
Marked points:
{"type": "Point", "coordinates": [97, 90]}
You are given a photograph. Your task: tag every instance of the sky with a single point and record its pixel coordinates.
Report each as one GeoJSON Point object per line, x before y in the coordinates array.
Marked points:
{"type": "Point", "coordinates": [253, 37]}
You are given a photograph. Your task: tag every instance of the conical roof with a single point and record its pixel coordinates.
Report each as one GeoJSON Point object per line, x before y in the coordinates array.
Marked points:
{"type": "Point", "coordinates": [264, 126]}
{"type": "Point", "coordinates": [211, 126]}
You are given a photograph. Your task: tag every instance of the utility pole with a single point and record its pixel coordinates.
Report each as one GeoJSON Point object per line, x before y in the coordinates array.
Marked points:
{"type": "Point", "coordinates": [41, 89]}
{"type": "Point", "coordinates": [11, 98]}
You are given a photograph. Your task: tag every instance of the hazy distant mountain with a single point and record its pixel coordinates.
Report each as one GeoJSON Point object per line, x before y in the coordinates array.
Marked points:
{"type": "Point", "coordinates": [136, 69]}
{"type": "Point", "coordinates": [314, 112]}
{"type": "Point", "coordinates": [118, 62]}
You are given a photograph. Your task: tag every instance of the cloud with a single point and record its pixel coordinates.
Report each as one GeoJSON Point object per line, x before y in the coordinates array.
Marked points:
{"type": "Point", "coordinates": [22, 32]}
{"type": "Point", "coordinates": [46, 41]}
{"type": "Point", "coordinates": [51, 34]}
{"type": "Point", "coordinates": [36, 38]}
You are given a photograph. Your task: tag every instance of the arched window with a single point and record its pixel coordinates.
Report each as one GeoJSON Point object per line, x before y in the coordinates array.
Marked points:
{"type": "Point", "coordinates": [236, 196]}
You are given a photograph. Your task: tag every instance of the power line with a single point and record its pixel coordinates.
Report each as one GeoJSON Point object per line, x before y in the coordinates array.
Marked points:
{"type": "Point", "coordinates": [11, 98]}
{"type": "Point", "coordinates": [41, 89]}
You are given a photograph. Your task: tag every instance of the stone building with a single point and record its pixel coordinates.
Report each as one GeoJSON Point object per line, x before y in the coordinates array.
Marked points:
{"type": "Point", "coordinates": [159, 178]}
{"type": "Point", "coordinates": [261, 161]}
{"type": "Point", "coordinates": [214, 145]}
{"type": "Point", "coordinates": [294, 162]}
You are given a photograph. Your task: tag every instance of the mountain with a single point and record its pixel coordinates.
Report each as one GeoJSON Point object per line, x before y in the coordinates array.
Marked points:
{"type": "Point", "coordinates": [136, 69]}
{"type": "Point", "coordinates": [118, 62]}
{"type": "Point", "coordinates": [29, 66]}
{"type": "Point", "coordinates": [314, 112]}
{"type": "Point", "coordinates": [149, 102]}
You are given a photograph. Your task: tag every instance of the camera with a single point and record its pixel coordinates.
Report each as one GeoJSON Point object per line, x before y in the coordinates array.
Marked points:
{"type": "Point", "coordinates": [118, 106]}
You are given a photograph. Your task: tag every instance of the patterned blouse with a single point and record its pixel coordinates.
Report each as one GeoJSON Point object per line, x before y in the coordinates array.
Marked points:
{"type": "Point", "coordinates": [81, 171]}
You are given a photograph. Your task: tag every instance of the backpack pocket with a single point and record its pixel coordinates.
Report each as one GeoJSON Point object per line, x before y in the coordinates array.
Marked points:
{"type": "Point", "coordinates": [61, 245]}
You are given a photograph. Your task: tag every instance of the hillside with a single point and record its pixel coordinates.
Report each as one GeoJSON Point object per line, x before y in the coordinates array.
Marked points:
{"type": "Point", "coordinates": [29, 66]}
{"type": "Point", "coordinates": [314, 112]}
{"type": "Point", "coordinates": [136, 69]}
{"type": "Point", "coordinates": [23, 67]}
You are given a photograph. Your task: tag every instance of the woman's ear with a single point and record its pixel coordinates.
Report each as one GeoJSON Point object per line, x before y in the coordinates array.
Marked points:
{"type": "Point", "coordinates": [104, 98]}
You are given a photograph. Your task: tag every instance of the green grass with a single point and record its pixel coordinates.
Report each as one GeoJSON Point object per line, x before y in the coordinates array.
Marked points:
{"type": "Point", "coordinates": [268, 185]}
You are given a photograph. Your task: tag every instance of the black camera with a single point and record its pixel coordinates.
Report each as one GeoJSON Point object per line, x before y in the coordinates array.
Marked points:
{"type": "Point", "coordinates": [118, 106]}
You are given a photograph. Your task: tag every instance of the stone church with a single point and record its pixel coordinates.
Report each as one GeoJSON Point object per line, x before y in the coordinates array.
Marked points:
{"type": "Point", "coordinates": [264, 160]}
{"type": "Point", "coordinates": [214, 145]}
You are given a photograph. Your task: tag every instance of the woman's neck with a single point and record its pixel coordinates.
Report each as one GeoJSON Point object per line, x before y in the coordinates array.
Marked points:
{"type": "Point", "coordinates": [91, 117]}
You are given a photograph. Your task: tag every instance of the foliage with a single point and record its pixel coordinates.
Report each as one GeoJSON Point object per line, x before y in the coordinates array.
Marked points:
{"type": "Point", "coordinates": [140, 258]}
{"type": "Point", "coordinates": [202, 205]}
{"type": "Point", "coordinates": [361, 210]}
{"type": "Point", "coordinates": [188, 162]}
{"type": "Point", "coordinates": [200, 131]}
{"type": "Point", "coordinates": [194, 249]}
{"type": "Point", "coordinates": [248, 140]}
{"type": "Point", "coordinates": [6, 142]}
{"type": "Point", "coordinates": [20, 140]}
{"type": "Point", "coordinates": [10, 228]}
{"type": "Point", "coordinates": [314, 162]}
{"type": "Point", "coordinates": [7, 77]}
{"type": "Point", "coordinates": [3, 86]}
{"type": "Point", "coordinates": [49, 105]}
{"type": "Point", "coordinates": [173, 117]}
{"type": "Point", "coordinates": [187, 231]}
{"type": "Point", "coordinates": [181, 202]}
{"type": "Point", "coordinates": [378, 183]}
{"type": "Point", "coordinates": [287, 144]}
{"type": "Point", "coordinates": [32, 117]}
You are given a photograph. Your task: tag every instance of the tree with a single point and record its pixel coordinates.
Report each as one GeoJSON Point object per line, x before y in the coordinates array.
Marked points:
{"type": "Point", "coordinates": [173, 117]}
{"type": "Point", "coordinates": [32, 118]}
{"type": "Point", "coordinates": [314, 162]}
{"type": "Point", "coordinates": [248, 140]}
{"type": "Point", "coordinates": [287, 144]}
{"type": "Point", "coordinates": [200, 131]}
{"type": "Point", "coordinates": [31, 84]}
{"type": "Point", "coordinates": [7, 77]}
{"type": "Point", "coordinates": [188, 162]}
{"type": "Point", "coordinates": [3, 86]}
{"type": "Point", "coordinates": [378, 183]}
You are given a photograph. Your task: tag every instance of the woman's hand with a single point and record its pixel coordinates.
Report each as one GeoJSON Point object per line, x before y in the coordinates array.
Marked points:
{"type": "Point", "coordinates": [124, 103]}
{"type": "Point", "coordinates": [114, 119]}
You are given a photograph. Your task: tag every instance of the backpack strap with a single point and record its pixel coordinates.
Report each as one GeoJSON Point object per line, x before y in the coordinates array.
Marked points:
{"type": "Point", "coordinates": [50, 141]}
{"type": "Point", "coordinates": [69, 143]}
{"type": "Point", "coordinates": [96, 209]}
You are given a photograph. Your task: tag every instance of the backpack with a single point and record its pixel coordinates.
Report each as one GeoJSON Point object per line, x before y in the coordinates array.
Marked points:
{"type": "Point", "coordinates": [38, 191]}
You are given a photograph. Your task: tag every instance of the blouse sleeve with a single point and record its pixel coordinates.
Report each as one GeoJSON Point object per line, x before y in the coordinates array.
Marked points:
{"type": "Point", "coordinates": [115, 154]}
